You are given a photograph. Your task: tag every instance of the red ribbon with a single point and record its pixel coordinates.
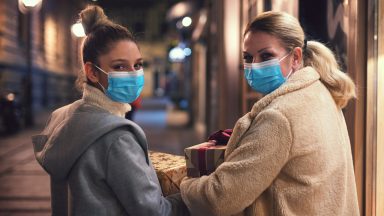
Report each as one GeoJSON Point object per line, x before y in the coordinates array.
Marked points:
{"type": "Point", "coordinates": [202, 157]}
{"type": "Point", "coordinates": [202, 162]}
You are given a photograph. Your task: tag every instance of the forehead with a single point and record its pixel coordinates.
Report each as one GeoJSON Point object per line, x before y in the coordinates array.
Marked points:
{"type": "Point", "coordinates": [254, 41]}
{"type": "Point", "coordinates": [124, 49]}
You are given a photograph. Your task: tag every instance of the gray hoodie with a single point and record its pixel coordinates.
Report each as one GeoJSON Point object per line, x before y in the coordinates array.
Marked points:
{"type": "Point", "coordinates": [102, 159]}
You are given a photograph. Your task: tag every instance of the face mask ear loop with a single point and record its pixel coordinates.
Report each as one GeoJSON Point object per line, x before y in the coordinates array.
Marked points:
{"type": "Point", "coordinates": [284, 57]}
{"type": "Point", "coordinates": [289, 74]}
{"type": "Point", "coordinates": [100, 69]}
{"type": "Point", "coordinates": [102, 87]}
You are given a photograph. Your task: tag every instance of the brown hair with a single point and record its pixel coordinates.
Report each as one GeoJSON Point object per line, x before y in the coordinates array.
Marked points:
{"type": "Point", "coordinates": [101, 33]}
{"type": "Point", "coordinates": [315, 54]}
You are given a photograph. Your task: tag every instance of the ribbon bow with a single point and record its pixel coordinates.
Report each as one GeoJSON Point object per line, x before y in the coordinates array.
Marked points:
{"type": "Point", "coordinates": [220, 137]}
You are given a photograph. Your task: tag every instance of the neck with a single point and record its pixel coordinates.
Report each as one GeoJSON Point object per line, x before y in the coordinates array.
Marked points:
{"type": "Point", "coordinates": [96, 97]}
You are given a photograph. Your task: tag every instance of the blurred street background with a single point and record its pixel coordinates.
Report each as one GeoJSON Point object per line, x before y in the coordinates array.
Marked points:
{"type": "Point", "coordinates": [194, 81]}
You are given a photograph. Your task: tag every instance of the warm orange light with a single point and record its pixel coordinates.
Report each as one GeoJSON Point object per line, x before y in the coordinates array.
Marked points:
{"type": "Point", "coordinates": [10, 97]}
{"type": "Point", "coordinates": [50, 39]}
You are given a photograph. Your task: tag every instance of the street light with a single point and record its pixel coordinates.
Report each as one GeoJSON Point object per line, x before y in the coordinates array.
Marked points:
{"type": "Point", "coordinates": [187, 21]}
{"type": "Point", "coordinates": [30, 3]}
{"type": "Point", "coordinates": [78, 30]}
{"type": "Point", "coordinates": [27, 7]}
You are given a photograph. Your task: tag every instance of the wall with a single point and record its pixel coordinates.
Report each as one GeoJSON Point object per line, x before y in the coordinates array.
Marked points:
{"type": "Point", "coordinates": [380, 113]}
{"type": "Point", "coordinates": [51, 49]}
{"type": "Point", "coordinates": [223, 65]}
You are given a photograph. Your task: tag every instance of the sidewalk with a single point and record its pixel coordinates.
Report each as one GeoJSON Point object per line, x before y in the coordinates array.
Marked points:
{"type": "Point", "coordinates": [166, 128]}
{"type": "Point", "coordinates": [24, 185]}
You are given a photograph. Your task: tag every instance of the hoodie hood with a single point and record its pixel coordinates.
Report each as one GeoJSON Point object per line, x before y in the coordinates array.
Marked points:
{"type": "Point", "coordinates": [69, 133]}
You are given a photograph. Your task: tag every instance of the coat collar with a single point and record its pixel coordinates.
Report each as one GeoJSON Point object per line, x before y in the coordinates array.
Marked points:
{"type": "Point", "coordinates": [299, 80]}
{"type": "Point", "coordinates": [95, 97]}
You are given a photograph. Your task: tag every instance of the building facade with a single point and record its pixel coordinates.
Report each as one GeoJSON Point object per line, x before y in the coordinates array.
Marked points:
{"type": "Point", "coordinates": [38, 55]}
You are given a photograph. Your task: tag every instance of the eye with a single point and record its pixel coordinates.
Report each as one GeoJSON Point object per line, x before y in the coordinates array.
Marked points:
{"type": "Point", "coordinates": [119, 67]}
{"type": "Point", "coordinates": [247, 58]}
{"type": "Point", "coordinates": [138, 66]}
{"type": "Point", "coordinates": [266, 56]}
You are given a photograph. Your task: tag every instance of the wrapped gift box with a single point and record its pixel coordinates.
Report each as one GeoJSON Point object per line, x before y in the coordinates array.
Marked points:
{"type": "Point", "coordinates": [204, 158]}
{"type": "Point", "coordinates": [170, 170]}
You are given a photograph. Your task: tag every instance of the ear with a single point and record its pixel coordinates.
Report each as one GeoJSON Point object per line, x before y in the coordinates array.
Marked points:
{"type": "Point", "coordinates": [90, 72]}
{"type": "Point", "coordinates": [297, 58]}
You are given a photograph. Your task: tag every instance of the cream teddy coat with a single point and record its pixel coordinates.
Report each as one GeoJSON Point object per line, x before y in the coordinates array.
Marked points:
{"type": "Point", "coordinates": [290, 155]}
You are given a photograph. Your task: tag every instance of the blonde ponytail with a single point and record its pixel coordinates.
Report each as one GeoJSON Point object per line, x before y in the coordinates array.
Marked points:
{"type": "Point", "coordinates": [323, 61]}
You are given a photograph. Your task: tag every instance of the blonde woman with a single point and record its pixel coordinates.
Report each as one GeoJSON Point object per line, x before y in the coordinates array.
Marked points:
{"type": "Point", "coordinates": [290, 155]}
{"type": "Point", "coordinates": [89, 149]}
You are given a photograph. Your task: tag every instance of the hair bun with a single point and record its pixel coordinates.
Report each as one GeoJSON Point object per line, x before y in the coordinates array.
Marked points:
{"type": "Point", "coordinates": [92, 17]}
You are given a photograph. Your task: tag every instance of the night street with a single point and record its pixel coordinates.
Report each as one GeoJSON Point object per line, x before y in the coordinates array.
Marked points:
{"type": "Point", "coordinates": [274, 106]}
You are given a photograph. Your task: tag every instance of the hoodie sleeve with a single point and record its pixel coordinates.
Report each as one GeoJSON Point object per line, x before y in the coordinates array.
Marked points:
{"type": "Point", "coordinates": [134, 181]}
{"type": "Point", "coordinates": [247, 171]}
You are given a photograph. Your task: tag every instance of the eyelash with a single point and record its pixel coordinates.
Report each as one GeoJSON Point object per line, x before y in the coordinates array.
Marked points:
{"type": "Point", "coordinates": [263, 56]}
{"type": "Point", "coordinates": [266, 56]}
{"type": "Point", "coordinates": [119, 67]}
{"type": "Point", "coordinates": [248, 58]}
{"type": "Point", "coordinates": [122, 67]}
{"type": "Point", "coordinates": [138, 66]}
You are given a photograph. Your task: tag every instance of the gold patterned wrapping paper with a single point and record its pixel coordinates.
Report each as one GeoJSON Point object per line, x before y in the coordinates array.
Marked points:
{"type": "Point", "coordinates": [170, 170]}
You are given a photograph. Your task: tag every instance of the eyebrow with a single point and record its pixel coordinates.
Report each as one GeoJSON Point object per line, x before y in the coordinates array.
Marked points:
{"type": "Point", "coordinates": [259, 51]}
{"type": "Point", "coordinates": [125, 60]}
{"type": "Point", "coordinates": [263, 49]}
{"type": "Point", "coordinates": [119, 60]}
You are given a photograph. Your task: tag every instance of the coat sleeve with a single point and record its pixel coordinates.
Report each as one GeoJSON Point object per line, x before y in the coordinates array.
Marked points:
{"type": "Point", "coordinates": [134, 181]}
{"type": "Point", "coordinates": [247, 171]}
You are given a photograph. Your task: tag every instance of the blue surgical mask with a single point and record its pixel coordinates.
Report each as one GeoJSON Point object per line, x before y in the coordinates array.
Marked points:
{"type": "Point", "coordinates": [265, 77]}
{"type": "Point", "coordinates": [124, 86]}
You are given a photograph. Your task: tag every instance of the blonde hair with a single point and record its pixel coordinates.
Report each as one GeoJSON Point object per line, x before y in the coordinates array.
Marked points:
{"type": "Point", "coordinates": [315, 54]}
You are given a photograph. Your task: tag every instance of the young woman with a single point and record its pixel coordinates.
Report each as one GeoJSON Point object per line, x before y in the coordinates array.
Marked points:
{"type": "Point", "coordinates": [89, 148]}
{"type": "Point", "coordinates": [290, 155]}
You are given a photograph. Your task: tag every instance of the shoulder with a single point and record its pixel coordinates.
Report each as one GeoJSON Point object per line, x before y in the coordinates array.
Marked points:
{"type": "Point", "coordinates": [67, 109]}
{"type": "Point", "coordinates": [97, 118]}
{"type": "Point", "coordinates": [119, 144]}
{"type": "Point", "coordinates": [272, 118]}
{"type": "Point", "coordinates": [123, 143]}
{"type": "Point", "coordinates": [127, 135]}
{"type": "Point", "coordinates": [302, 100]}
{"type": "Point", "coordinates": [62, 114]}
{"type": "Point", "coordinates": [304, 110]}
{"type": "Point", "coordinates": [103, 128]}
